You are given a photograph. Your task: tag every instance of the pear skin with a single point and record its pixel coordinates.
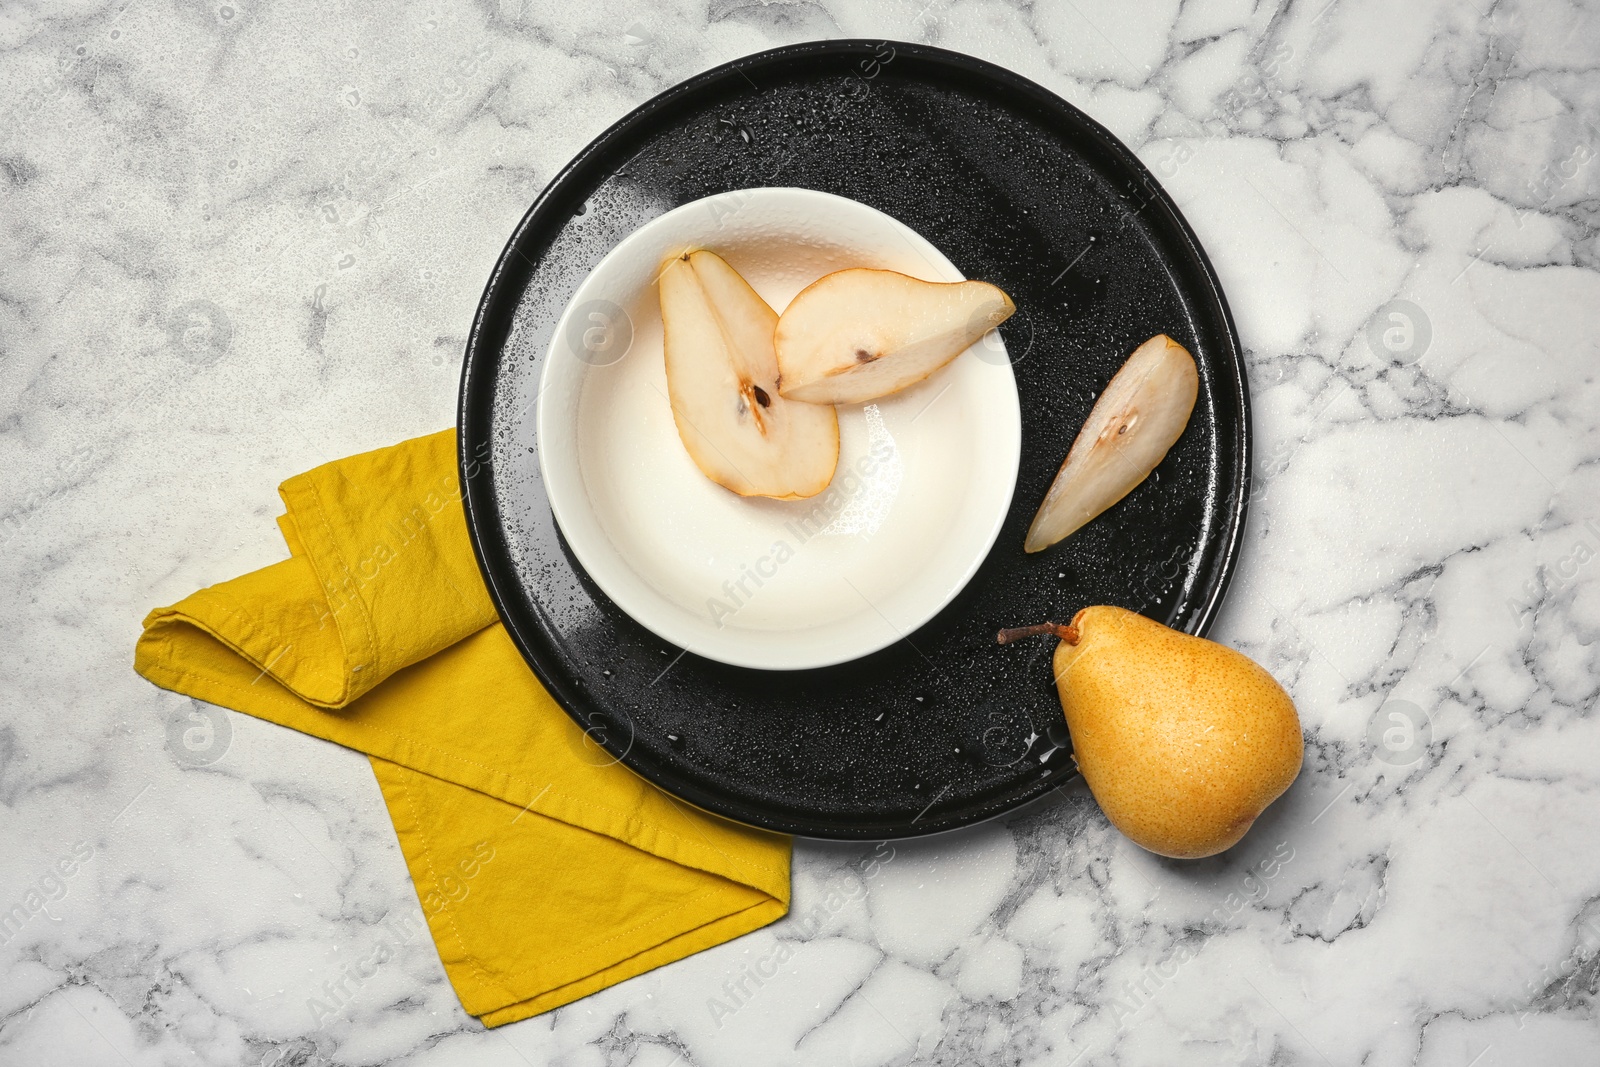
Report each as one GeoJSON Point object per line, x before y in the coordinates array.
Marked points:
{"type": "Point", "coordinates": [1182, 741]}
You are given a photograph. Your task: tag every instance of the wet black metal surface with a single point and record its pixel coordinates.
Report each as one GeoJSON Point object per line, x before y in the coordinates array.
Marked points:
{"type": "Point", "coordinates": [1017, 187]}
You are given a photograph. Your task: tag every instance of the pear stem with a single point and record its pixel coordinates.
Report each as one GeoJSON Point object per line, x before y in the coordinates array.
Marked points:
{"type": "Point", "coordinates": [1067, 633]}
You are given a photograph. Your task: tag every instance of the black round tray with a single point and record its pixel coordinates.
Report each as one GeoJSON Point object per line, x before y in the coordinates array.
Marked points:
{"type": "Point", "coordinates": [1017, 187]}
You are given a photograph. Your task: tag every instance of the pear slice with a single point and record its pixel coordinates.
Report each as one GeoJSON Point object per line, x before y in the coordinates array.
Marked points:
{"type": "Point", "coordinates": [1137, 419]}
{"type": "Point", "coordinates": [855, 335]}
{"type": "Point", "coordinates": [722, 381]}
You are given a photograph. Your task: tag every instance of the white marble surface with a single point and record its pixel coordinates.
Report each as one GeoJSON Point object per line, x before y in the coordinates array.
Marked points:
{"type": "Point", "coordinates": [238, 239]}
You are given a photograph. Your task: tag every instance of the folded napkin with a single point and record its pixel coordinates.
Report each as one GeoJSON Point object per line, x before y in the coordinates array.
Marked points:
{"type": "Point", "coordinates": [544, 873]}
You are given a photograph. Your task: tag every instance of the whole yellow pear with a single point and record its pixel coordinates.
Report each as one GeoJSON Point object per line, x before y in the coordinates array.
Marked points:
{"type": "Point", "coordinates": [1182, 741]}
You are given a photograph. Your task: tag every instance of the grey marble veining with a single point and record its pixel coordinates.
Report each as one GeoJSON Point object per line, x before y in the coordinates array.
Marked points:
{"type": "Point", "coordinates": [239, 239]}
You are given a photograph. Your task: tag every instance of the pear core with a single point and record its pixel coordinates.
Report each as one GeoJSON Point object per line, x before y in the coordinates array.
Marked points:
{"type": "Point", "coordinates": [1183, 741]}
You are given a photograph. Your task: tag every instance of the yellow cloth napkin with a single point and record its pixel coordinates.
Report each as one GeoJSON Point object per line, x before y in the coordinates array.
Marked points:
{"type": "Point", "coordinates": [544, 872]}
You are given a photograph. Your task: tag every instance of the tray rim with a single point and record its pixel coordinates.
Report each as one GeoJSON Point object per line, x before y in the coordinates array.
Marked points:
{"type": "Point", "coordinates": [481, 508]}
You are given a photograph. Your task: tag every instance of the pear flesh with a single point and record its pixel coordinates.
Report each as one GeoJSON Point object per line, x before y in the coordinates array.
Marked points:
{"type": "Point", "coordinates": [1137, 419]}
{"type": "Point", "coordinates": [856, 335]}
{"type": "Point", "coordinates": [722, 381]}
{"type": "Point", "coordinates": [1182, 741]}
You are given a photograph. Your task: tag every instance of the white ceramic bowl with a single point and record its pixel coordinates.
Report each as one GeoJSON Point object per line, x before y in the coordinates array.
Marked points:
{"type": "Point", "coordinates": [924, 480]}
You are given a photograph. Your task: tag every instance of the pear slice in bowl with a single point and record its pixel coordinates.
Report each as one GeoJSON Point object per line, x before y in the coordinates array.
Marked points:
{"type": "Point", "coordinates": [859, 334]}
{"type": "Point", "coordinates": [722, 380]}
